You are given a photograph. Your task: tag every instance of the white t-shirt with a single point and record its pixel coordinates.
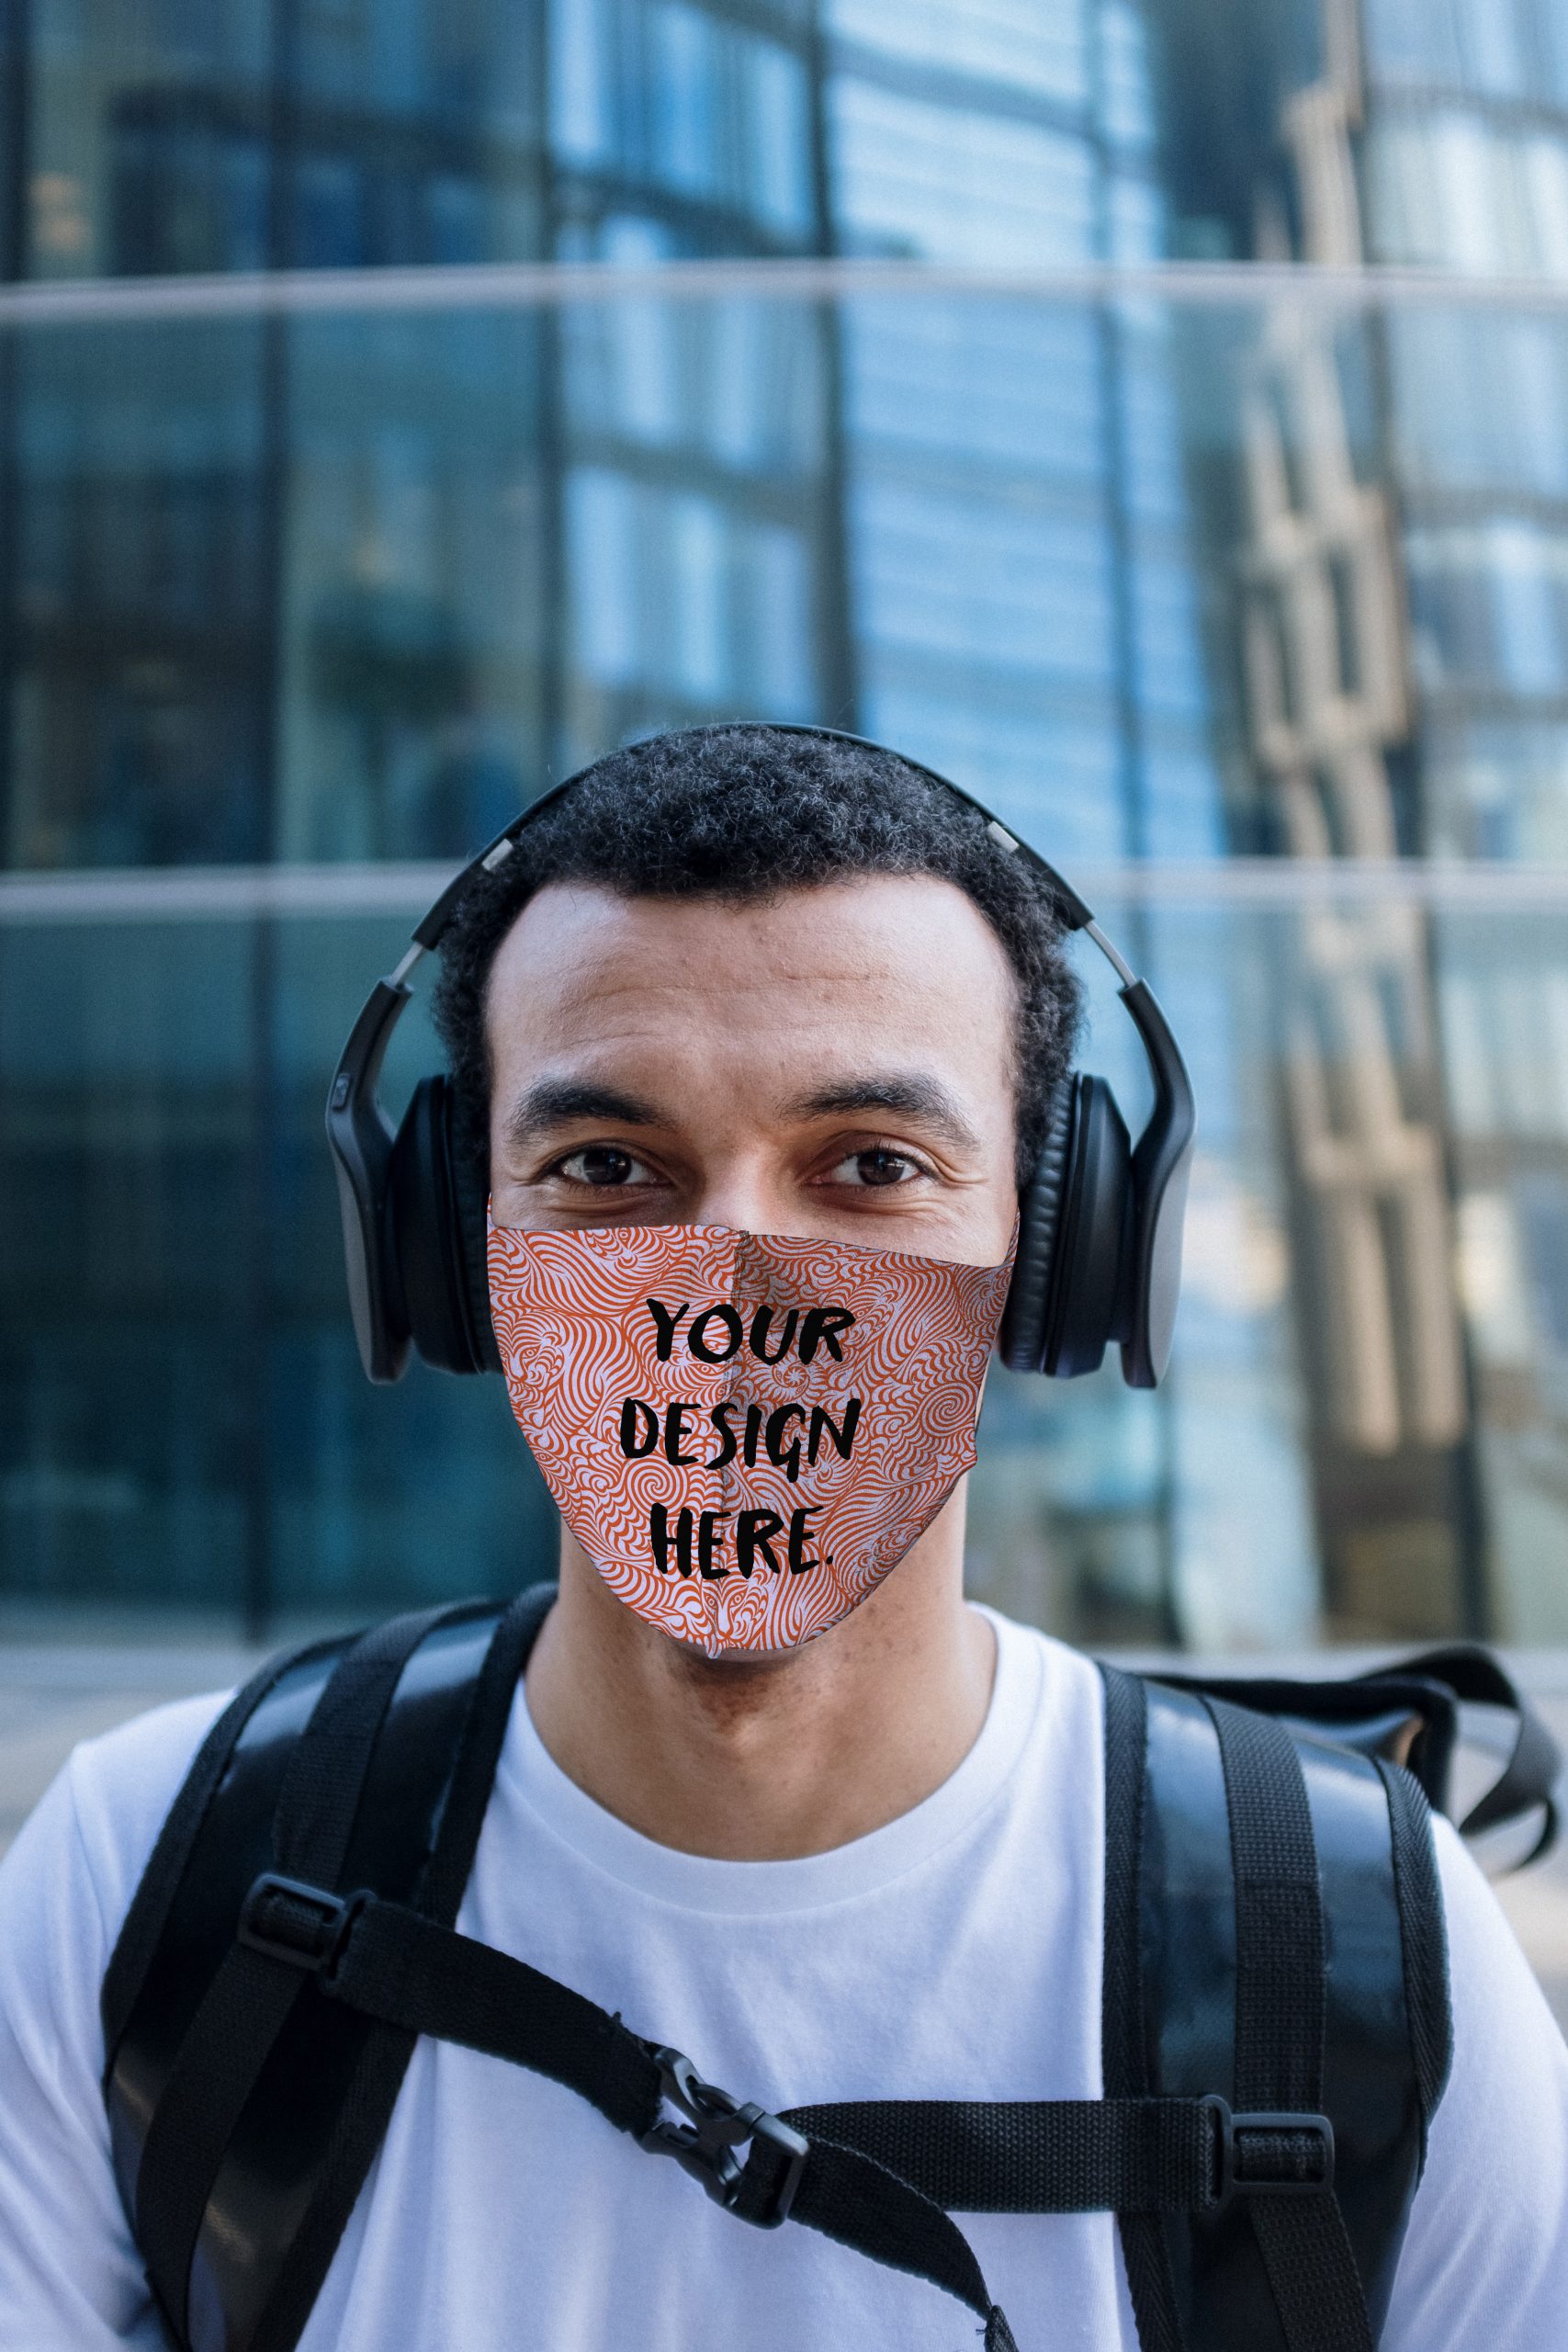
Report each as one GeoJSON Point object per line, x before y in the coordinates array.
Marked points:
{"type": "Point", "coordinates": [953, 1954]}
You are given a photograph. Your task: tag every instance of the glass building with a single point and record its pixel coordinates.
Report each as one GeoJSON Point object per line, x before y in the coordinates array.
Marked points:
{"type": "Point", "coordinates": [400, 406]}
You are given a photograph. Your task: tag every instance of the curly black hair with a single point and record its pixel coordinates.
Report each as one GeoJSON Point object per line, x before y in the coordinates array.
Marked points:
{"type": "Point", "coordinates": [746, 811]}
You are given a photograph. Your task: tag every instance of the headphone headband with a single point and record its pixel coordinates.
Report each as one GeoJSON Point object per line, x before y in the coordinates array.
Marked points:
{"type": "Point", "coordinates": [1099, 1244]}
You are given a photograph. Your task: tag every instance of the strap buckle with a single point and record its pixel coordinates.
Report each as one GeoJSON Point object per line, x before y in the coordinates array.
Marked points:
{"type": "Point", "coordinates": [306, 1926]}
{"type": "Point", "coordinates": [1267, 2154]}
{"type": "Point", "coordinates": [717, 2126]}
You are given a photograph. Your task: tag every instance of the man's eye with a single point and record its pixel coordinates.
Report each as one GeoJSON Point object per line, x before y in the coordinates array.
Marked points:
{"type": "Point", "coordinates": [603, 1165]}
{"type": "Point", "coordinates": [877, 1166]}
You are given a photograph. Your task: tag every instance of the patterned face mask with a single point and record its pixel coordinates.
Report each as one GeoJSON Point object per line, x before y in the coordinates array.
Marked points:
{"type": "Point", "coordinates": [744, 1434]}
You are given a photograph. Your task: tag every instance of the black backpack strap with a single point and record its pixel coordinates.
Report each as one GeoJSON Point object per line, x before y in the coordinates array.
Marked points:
{"type": "Point", "coordinates": [1534, 1766]}
{"type": "Point", "coordinates": [1419, 1900]}
{"type": "Point", "coordinates": [1123, 2034]}
{"type": "Point", "coordinates": [1409, 1711]}
{"type": "Point", "coordinates": [364, 1763]}
{"type": "Point", "coordinates": [248, 2001]}
{"type": "Point", "coordinates": [143, 1924]}
{"type": "Point", "coordinates": [385, 1961]}
{"type": "Point", "coordinates": [1273, 1935]}
{"type": "Point", "coordinates": [1280, 2019]}
{"type": "Point", "coordinates": [881, 2175]}
{"type": "Point", "coordinates": [451, 1832]}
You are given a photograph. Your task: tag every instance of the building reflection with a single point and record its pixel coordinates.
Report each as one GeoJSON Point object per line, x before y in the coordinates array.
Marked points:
{"type": "Point", "coordinates": [338, 590]}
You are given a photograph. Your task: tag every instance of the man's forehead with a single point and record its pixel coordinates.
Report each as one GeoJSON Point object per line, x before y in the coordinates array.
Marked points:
{"type": "Point", "coordinates": [890, 982]}
{"type": "Point", "coordinates": [916, 931]}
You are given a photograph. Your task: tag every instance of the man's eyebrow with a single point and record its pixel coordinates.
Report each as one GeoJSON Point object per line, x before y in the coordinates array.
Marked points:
{"type": "Point", "coordinates": [911, 1096]}
{"type": "Point", "coordinates": [556, 1102]}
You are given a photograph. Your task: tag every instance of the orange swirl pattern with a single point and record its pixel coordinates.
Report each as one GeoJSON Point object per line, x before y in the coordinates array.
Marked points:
{"type": "Point", "coordinates": [577, 1337]}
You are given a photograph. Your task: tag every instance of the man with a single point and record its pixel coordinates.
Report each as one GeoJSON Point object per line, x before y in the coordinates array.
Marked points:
{"type": "Point", "coordinates": [783, 987]}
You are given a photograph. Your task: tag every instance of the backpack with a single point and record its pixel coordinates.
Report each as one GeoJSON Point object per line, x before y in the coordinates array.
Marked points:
{"type": "Point", "coordinates": [1276, 2026]}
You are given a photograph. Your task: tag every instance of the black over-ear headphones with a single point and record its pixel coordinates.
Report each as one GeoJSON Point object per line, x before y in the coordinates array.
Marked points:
{"type": "Point", "coordinates": [1100, 1223]}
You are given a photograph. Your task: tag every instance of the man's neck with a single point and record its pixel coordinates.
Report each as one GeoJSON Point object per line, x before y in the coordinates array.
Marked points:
{"type": "Point", "coordinates": [758, 1760]}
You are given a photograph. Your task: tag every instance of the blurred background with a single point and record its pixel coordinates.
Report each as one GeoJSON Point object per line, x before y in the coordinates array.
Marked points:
{"type": "Point", "coordinates": [1153, 412]}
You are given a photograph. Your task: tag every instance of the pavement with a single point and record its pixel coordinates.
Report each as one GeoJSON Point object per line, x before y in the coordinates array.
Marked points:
{"type": "Point", "coordinates": [52, 1695]}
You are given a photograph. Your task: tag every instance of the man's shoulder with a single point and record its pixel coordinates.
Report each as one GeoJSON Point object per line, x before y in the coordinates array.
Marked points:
{"type": "Point", "coordinates": [67, 1882]}
{"type": "Point", "coordinates": [1485, 2257]}
{"type": "Point", "coordinates": [112, 1796]}
{"type": "Point", "coordinates": [1048, 1713]}
{"type": "Point", "coordinates": [1062, 1672]}
{"type": "Point", "coordinates": [1019, 1631]}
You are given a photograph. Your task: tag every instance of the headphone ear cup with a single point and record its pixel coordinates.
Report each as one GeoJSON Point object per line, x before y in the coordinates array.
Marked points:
{"type": "Point", "coordinates": [430, 1247]}
{"type": "Point", "coordinates": [1087, 1307]}
{"type": "Point", "coordinates": [471, 1201]}
{"type": "Point", "coordinates": [1026, 1318]}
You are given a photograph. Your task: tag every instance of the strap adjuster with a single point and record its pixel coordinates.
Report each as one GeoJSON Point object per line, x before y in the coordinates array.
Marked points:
{"type": "Point", "coordinates": [718, 2125]}
{"type": "Point", "coordinates": [306, 1926]}
{"type": "Point", "coordinates": [1266, 2154]}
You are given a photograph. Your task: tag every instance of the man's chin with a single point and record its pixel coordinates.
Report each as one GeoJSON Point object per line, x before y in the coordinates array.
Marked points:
{"type": "Point", "coordinates": [732, 1660]}
{"type": "Point", "coordinates": [755, 1657]}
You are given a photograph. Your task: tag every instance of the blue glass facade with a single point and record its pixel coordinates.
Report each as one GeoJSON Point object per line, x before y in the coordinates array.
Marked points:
{"type": "Point", "coordinates": [299, 601]}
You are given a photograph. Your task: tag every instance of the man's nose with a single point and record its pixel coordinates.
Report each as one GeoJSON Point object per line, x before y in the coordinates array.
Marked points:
{"type": "Point", "coordinates": [741, 1195]}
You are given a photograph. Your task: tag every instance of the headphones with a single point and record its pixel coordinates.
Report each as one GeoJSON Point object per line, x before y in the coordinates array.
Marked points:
{"type": "Point", "coordinates": [1100, 1221]}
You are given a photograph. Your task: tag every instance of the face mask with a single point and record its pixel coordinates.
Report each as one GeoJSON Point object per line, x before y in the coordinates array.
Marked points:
{"type": "Point", "coordinates": [744, 1435]}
